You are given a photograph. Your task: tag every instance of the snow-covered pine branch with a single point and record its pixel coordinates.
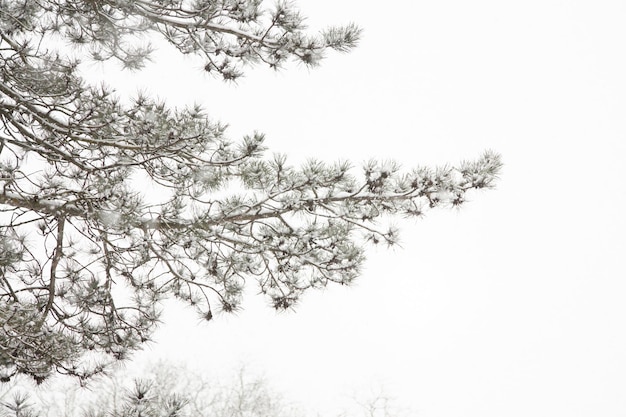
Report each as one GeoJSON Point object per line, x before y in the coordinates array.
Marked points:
{"type": "Point", "coordinates": [85, 255]}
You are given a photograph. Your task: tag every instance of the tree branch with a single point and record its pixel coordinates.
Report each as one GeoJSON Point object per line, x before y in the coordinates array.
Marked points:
{"type": "Point", "coordinates": [56, 257]}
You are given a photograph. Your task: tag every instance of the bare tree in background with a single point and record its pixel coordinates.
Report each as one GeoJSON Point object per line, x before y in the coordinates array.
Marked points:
{"type": "Point", "coordinates": [85, 257]}
{"type": "Point", "coordinates": [167, 389]}
{"type": "Point", "coordinates": [164, 390]}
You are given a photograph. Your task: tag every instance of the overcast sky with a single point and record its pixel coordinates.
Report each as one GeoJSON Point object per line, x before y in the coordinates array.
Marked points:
{"type": "Point", "coordinates": [511, 306]}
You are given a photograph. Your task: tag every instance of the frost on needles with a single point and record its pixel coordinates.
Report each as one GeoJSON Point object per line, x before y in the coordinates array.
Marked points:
{"type": "Point", "coordinates": [85, 257]}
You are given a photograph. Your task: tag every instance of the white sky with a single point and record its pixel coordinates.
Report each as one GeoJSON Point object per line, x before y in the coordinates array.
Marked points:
{"type": "Point", "coordinates": [512, 306]}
